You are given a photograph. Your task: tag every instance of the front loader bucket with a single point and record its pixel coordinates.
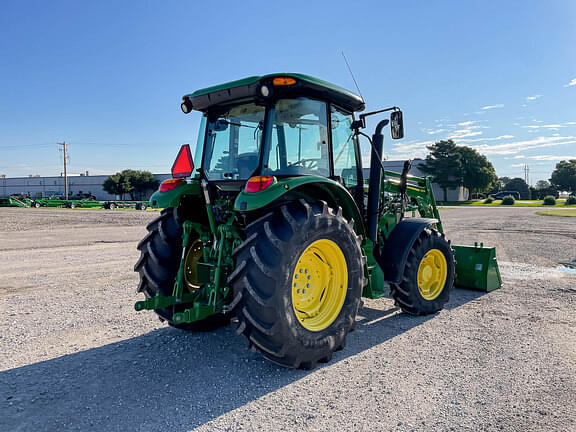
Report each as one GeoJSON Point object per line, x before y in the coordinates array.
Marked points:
{"type": "Point", "coordinates": [477, 268]}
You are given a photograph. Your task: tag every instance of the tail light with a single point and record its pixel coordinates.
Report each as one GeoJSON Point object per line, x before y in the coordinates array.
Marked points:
{"type": "Point", "coordinates": [258, 183]}
{"type": "Point", "coordinates": [168, 185]}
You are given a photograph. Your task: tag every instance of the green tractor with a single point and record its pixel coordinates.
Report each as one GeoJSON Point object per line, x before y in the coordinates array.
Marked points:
{"type": "Point", "coordinates": [278, 227]}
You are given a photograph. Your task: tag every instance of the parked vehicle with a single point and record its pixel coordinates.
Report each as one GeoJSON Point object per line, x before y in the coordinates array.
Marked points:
{"type": "Point", "coordinates": [502, 194]}
{"type": "Point", "coordinates": [276, 226]}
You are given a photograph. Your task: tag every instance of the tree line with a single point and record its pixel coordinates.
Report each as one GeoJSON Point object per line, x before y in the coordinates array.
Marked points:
{"type": "Point", "coordinates": [452, 166]}
{"type": "Point", "coordinates": [133, 183]}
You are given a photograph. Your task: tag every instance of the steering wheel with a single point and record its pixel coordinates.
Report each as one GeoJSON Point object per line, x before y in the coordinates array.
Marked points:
{"type": "Point", "coordinates": [306, 163]}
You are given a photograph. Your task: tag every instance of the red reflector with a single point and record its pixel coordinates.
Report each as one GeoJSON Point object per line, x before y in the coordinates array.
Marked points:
{"type": "Point", "coordinates": [168, 185]}
{"type": "Point", "coordinates": [258, 183]}
{"type": "Point", "coordinates": [183, 164]}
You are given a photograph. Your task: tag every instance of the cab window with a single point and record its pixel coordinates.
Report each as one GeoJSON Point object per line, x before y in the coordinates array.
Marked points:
{"type": "Point", "coordinates": [345, 165]}
{"type": "Point", "coordinates": [299, 141]}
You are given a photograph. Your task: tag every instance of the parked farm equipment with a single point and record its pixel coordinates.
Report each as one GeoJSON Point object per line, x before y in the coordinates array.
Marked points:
{"type": "Point", "coordinates": [88, 203]}
{"type": "Point", "coordinates": [15, 201]}
{"type": "Point", "coordinates": [276, 227]}
{"type": "Point", "coordinates": [138, 205]}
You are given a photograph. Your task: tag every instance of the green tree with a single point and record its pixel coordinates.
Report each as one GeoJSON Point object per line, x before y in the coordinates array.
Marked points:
{"type": "Point", "coordinates": [519, 185]}
{"type": "Point", "coordinates": [143, 182]}
{"type": "Point", "coordinates": [131, 182]}
{"type": "Point", "coordinates": [564, 176]}
{"type": "Point", "coordinates": [543, 188]}
{"type": "Point", "coordinates": [117, 184]}
{"type": "Point", "coordinates": [443, 164]}
{"type": "Point", "coordinates": [477, 172]}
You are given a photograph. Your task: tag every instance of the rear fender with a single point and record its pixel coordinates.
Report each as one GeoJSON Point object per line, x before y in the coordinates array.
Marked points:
{"type": "Point", "coordinates": [308, 187]}
{"type": "Point", "coordinates": [393, 256]}
{"type": "Point", "coordinates": [172, 197]}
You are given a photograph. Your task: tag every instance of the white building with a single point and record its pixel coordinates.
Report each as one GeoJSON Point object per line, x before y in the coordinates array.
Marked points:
{"type": "Point", "coordinates": [44, 187]}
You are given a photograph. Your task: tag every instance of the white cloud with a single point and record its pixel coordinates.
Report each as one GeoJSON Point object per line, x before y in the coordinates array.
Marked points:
{"type": "Point", "coordinates": [531, 98]}
{"type": "Point", "coordinates": [437, 131]}
{"type": "Point", "coordinates": [571, 123]}
{"type": "Point", "coordinates": [487, 107]}
{"type": "Point", "coordinates": [409, 146]}
{"type": "Point", "coordinates": [467, 123]}
{"type": "Point", "coordinates": [498, 138]}
{"type": "Point", "coordinates": [551, 157]}
{"type": "Point", "coordinates": [553, 126]}
{"type": "Point", "coordinates": [515, 147]}
{"type": "Point", "coordinates": [519, 157]}
{"type": "Point", "coordinates": [531, 127]}
{"type": "Point", "coordinates": [463, 133]}
{"type": "Point", "coordinates": [517, 165]}
{"type": "Point", "coordinates": [571, 83]}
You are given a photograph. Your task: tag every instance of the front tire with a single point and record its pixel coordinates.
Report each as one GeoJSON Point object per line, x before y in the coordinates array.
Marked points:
{"type": "Point", "coordinates": [297, 324]}
{"type": "Point", "coordinates": [428, 275]}
{"type": "Point", "coordinates": [158, 265]}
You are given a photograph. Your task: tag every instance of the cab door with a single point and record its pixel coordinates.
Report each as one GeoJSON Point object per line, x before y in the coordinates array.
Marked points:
{"type": "Point", "coordinates": [345, 154]}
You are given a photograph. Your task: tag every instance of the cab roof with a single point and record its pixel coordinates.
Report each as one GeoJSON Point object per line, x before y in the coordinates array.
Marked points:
{"type": "Point", "coordinates": [250, 89]}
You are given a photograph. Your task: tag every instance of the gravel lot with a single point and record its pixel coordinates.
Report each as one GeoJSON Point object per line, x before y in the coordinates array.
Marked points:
{"type": "Point", "coordinates": [74, 355]}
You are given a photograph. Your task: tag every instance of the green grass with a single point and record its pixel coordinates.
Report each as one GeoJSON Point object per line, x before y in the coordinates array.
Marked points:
{"type": "Point", "coordinates": [558, 213]}
{"type": "Point", "coordinates": [521, 203]}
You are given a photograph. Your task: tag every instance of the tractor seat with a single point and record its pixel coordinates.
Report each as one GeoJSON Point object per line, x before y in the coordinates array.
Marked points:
{"type": "Point", "coordinates": [246, 163]}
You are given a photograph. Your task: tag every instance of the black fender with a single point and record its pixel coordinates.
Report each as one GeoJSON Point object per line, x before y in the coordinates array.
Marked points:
{"type": "Point", "coordinates": [392, 258]}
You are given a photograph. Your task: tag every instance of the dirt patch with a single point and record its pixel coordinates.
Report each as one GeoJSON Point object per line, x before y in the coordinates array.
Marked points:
{"type": "Point", "coordinates": [74, 355]}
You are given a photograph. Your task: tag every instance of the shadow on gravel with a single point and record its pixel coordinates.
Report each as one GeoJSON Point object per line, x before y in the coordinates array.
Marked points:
{"type": "Point", "coordinates": [166, 379]}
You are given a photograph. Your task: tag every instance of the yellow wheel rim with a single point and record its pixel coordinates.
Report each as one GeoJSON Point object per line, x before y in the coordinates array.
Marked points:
{"type": "Point", "coordinates": [193, 256]}
{"type": "Point", "coordinates": [432, 273]}
{"type": "Point", "coordinates": [319, 285]}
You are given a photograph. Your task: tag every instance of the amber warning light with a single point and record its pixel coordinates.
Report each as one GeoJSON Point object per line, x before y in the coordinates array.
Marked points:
{"type": "Point", "coordinates": [183, 164]}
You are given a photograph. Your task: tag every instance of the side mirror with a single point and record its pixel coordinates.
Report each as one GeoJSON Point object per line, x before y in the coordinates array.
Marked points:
{"type": "Point", "coordinates": [397, 125]}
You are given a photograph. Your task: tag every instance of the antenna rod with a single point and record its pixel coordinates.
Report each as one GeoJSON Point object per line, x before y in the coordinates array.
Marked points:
{"type": "Point", "coordinates": [353, 79]}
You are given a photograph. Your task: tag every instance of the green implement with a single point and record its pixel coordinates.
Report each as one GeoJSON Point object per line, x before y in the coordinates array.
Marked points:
{"type": "Point", "coordinates": [15, 201]}
{"type": "Point", "coordinates": [477, 268]}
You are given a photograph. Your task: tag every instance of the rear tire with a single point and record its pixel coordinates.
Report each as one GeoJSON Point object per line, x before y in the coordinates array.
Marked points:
{"type": "Point", "coordinates": [158, 265]}
{"type": "Point", "coordinates": [271, 314]}
{"type": "Point", "coordinates": [428, 275]}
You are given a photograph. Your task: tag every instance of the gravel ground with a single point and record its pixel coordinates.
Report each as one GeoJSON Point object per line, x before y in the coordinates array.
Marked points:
{"type": "Point", "coordinates": [74, 355]}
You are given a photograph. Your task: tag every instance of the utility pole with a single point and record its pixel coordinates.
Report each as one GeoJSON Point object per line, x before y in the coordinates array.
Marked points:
{"type": "Point", "coordinates": [527, 174]}
{"type": "Point", "coordinates": [64, 145]}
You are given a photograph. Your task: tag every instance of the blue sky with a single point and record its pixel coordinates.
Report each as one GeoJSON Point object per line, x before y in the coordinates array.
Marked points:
{"type": "Point", "coordinates": [107, 76]}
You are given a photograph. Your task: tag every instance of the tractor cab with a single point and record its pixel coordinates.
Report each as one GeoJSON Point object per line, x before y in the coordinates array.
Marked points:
{"type": "Point", "coordinates": [277, 126]}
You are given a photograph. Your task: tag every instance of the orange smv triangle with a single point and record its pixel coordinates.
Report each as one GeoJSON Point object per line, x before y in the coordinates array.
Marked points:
{"type": "Point", "coordinates": [183, 165]}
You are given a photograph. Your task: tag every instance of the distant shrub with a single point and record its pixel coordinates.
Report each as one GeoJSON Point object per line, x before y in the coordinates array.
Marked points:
{"type": "Point", "coordinates": [489, 200]}
{"type": "Point", "coordinates": [571, 200]}
{"type": "Point", "coordinates": [508, 200]}
{"type": "Point", "coordinates": [549, 200]}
